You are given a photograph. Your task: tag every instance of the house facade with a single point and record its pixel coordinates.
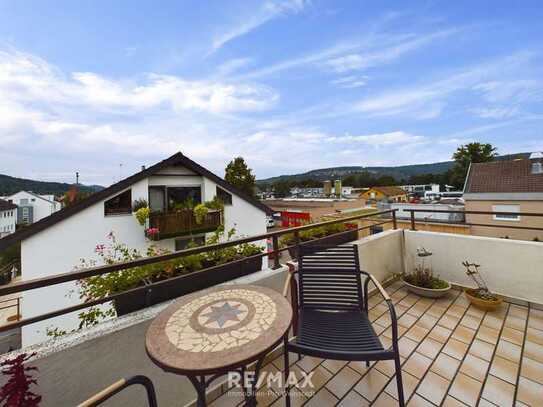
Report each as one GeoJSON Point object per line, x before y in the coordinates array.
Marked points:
{"type": "Point", "coordinates": [57, 243]}
{"type": "Point", "coordinates": [506, 186]}
{"type": "Point", "coordinates": [387, 193]}
{"type": "Point", "coordinates": [8, 218]}
{"type": "Point", "coordinates": [33, 207]}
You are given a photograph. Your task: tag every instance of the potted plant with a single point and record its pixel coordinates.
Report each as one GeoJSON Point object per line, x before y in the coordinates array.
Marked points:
{"type": "Point", "coordinates": [480, 297]}
{"type": "Point", "coordinates": [421, 280]}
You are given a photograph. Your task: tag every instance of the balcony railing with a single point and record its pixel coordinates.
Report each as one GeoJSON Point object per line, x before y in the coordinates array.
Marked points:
{"type": "Point", "coordinates": [183, 222]}
{"type": "Point", "coordinates": [26, 285]}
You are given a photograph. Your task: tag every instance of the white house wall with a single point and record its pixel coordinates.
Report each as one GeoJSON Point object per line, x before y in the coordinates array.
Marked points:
{"type": "Point", "coordinates": [41, 207]}
{"type": "Point", "coordinates": [8, 220]}
{"type": "Point", "coordinates": [59, 248]}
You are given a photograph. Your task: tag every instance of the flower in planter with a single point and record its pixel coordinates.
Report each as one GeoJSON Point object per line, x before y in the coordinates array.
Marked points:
{"type": "Point", "coordinates": [423, 275]}
{"type": "Point", "coordinates": [152, 233]}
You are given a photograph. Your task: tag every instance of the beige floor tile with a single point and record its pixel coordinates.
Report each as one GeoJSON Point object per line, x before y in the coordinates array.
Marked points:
{"type": "Point", "coordinates": [529, 392]}
{"type": "Point", "coordinates": [407, 320]}
{"type": "Point", "coordinates": [342, 382]}
{"type": "Point", "coordinates": [488, 334]}
{"type": "Point", "coordinates": [456, 311]}
{"type": "Point", "coordinates": [512, 335]}
{"type": "Point", "coordinates": [532, 370]}
{"type": "Point", "coordinates": [417, 364]}
{"type": "Point", "coordinates": [320, 377]}
{"type": "Point", "coordinates": [297, 399]}
{"type": "Point", "coordinates": [322, 398]}
{"type": "Point", "coordinates": [333, 366]}
{"type": "Point", "coordinates": [474, 367]}
{"type": "Point", "coordinates": [533, 351]}
{"type": "Point", "coordinates": [452, 402]}
{"type": "Point", "coordinates": [406, 346]}
{"type": "Point", "coordinates": [465, 389]}
{"type": "Point", "coordinates": [445, 366]}
{"type": "Point", "coordinates": [440, 333]}
{"type": "Point", "coordinates": [433, 387]}
{"type": "Point", "coordinates": [266, 397]}
{"type": "Point", "coordinates": [409, 385]}
{"type": "Point", "coordinates": [427, 321]}
{"type": "Point", "coordinates": [518, 311]}
{"type": "Point", "coordinates": [388, 332]}
{"type": "Point", "coordinates": [463, 333]}
{"type": "Point", "coordinates": [436, 311]}
{"type": "Point", "coordinates": [387, 367]}
{"type": "Point", "coordinates": [229, 399]}
{"type": "Point", "coordinates": [481, 349]}
{"type": "Point", "coordinates": [429, 347]}
{"type": "Point", "coordinates": [416, 333]}
{"type": "Point", "coordinates": [515, 323]}
{"type": "Point", "coordinates": [353, 399]}
{"type": "Point", "coordinates": [508, 350]}
{"type": "Point", "coordinates": [384, 320]}
{"type": "Point", "coordinates": [448, 321]}
{"type": "Point", "coordinates": [536, 322]}
{"type": "Point", "coordinates": [504, 369]}
{"type": "Point", "coordinates": [498, 391]}
{"type": "Point", "coordinates": [476, 312]}
{"type": "Point", "coordinates": [409, 301]}
{"type": "Point", "coordinates": [534, 335]}
{"type": "Point", "coordinates": [492, 321]}
{"type": "Point", "coordinates": [308, 363]}
{"type": "Point", "coordinates": [360, 367]}
{"type": "Point", "coordinates": [371, 384]}
{"type": "Point", "coordinates": [470, 321]}
{"type": "Point", "coordinates": [418, 401]}
{"type": "Point", "coordinates": [384, 400]}
{"type": "Point", "coordinates": [455, 348]}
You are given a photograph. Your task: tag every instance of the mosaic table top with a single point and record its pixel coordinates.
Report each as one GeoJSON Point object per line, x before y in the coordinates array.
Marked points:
{"type": "Point", "coordinates": [224, 326]}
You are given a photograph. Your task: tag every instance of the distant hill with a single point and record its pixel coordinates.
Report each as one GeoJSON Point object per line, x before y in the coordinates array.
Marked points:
{"type": "Point", "coordinates": [401, 172]}
{"type": "Point", "coordinates": [10, 185]}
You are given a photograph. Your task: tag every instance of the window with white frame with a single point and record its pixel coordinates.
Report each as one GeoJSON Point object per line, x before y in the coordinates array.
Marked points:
{"type": "Point", "coordinates": [506, 208]}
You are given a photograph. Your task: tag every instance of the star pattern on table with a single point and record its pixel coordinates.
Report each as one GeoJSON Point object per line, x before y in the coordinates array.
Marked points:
{"type": "Point", "coordinates": [222, 314]}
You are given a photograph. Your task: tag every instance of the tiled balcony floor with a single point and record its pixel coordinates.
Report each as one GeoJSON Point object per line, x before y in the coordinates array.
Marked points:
{"type": "Point", "coordinates": [452, 355]}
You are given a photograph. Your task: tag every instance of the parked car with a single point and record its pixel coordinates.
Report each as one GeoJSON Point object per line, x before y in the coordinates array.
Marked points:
{"type": "Point", "coordinates": [270, 222]}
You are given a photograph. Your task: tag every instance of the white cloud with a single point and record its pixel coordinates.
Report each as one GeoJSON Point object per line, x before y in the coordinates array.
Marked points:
{"type": "Point", "coordinates": [269, 11]}
{"type": "Point", "coordinates": [495, 112]}
{"type": "Point", "coordinates": [349, 82]}
{"type": "Point", "coordinates": [380, 139]}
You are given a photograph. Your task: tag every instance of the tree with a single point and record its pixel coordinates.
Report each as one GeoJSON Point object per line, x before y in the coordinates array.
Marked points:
{"type": "Point", "coordinates": [239, 175]}
{"type": "Point", "coordinates": [467, 154]}
{"type": "Point", "coordinates": [74, 196]}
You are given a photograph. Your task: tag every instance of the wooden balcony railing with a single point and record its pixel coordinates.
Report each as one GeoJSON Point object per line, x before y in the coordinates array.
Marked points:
{"type": "Point", "coordinates": [183, 222]}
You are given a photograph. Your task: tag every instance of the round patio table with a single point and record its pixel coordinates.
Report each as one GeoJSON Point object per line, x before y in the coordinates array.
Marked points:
{"type": "Point", "coordinates": [219, 330]}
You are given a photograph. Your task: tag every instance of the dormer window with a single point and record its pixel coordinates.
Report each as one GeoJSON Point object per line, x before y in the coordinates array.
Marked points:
{"type": "Point", "coordinates": [537, 168]}
{"type": "Point", "coordinates": [119, 205]}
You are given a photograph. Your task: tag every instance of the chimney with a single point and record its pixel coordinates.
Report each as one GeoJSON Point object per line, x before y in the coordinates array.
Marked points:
{"type": "Point", "coordinates": [537, 162]}
{"type": "Point", "coordinates": [143, 167]}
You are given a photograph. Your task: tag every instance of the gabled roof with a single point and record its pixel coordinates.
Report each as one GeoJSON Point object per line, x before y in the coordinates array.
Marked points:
{"type": "Point", "coordinates": [503, 177]}
{"type": "Point", "coordinates": [6, 206]}
{"type": "Point", "coordinates": [34, 195]}
{"type": "Point", "coordinates": [176, 159]}
{"type": "Point", "coordinates": [390, 191]}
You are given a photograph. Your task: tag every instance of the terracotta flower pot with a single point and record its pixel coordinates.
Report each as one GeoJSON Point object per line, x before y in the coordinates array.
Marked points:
{"type": "Point", "coordinates": [486, 305]}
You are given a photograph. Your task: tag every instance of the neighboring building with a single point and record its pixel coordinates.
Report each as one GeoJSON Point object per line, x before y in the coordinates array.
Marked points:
{"type": "Point", "coordinates": [33, 207]}
{"type": "Point", "coordinates": [506, 186]}
{"type": "Point", "coordinates": [57, 243]}
{"type": "Point", "coordinates": [403, 211]}
{"type": "Point", "coordinates": [8, 218]}
{"type": "Point", "coordinates": [315, 208]}
{"type": "Point", "coordinates": [389, 194]}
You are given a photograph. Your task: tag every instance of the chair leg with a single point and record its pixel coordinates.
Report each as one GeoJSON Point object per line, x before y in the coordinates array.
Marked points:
{"type": "Point", "coordinates": [367, 363]}
{"type": "Point", "coordinates": [286, 371]}
{"type": "Point", "coordinates": [401, 401]}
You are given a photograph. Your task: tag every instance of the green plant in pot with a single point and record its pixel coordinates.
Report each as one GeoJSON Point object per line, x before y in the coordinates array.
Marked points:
{"type": "Point", "coordinates": [422, 281]}
{"type": "Point", "coordinates": [480, 297]}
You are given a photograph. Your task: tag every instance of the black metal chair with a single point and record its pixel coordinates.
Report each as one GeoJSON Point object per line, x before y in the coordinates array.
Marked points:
{"type": "Point", "coordinates": [331, 310]}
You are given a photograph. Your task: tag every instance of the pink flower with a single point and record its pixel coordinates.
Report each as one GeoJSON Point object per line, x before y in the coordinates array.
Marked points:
{"type": "Point", "coordinates": [99, 248]}
{"type": "Point", "coordinates": [152, 231]}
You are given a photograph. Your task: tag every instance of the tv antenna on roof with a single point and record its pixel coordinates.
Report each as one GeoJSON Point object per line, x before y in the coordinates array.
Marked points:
{"type": "Point", "coordinates": [120, 171]}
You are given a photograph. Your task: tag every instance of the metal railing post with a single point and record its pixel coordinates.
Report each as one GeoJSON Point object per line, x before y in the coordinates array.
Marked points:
{"type": "Point", "coordinates": [296, 243]}
{"type": "Point", "coordinates": [413, 220]}
{"type": "Point", "coordinates": [394, 223]}
{"type": "Point", "coordinates": [275, 241]}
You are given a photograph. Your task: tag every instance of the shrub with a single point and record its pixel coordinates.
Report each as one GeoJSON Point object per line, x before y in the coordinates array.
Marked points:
{"type": "Point", "coordinates": [200, 212]}
{"type": "Point", "coordinates": [138, 204]}
{"type": "Point", "coordinates": [16, 390]}
{"type": "Point", "coordinates": [422, 275]}
{"type": "Point", "coordinates": [142, 214]}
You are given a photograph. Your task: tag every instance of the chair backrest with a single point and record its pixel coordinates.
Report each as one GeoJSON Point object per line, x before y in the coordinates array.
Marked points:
{"type": "Point", "coordinates": [329, 277]}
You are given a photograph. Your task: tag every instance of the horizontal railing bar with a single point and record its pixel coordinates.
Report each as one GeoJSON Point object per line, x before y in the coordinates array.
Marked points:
{"type": "Point", "coordinates": [78, 307]}
{"type": "Point", "coordinates": [474, 212]}
{"type": "Point", "coordinates": [504, 226]}
{"type": "Point", "coordinates": [95, 271]}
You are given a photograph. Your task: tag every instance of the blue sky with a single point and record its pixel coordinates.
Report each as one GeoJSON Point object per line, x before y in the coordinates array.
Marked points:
{"type": "Point", "coordinates": [289, 85]}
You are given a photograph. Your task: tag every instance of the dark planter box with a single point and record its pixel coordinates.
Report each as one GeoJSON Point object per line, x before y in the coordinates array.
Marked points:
{"type": "Point", "coordinates": [179, 286]}
{"type": "Point", "coordinates": [332, 240]}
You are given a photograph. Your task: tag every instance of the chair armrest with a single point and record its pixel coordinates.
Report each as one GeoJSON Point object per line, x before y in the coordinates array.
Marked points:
{"type": "Point", "coordinates": [379, 287]}
{"type": "Point", "coordinates": [292, 269]}
{"type": "Point", "coordinates": [120, 385]}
